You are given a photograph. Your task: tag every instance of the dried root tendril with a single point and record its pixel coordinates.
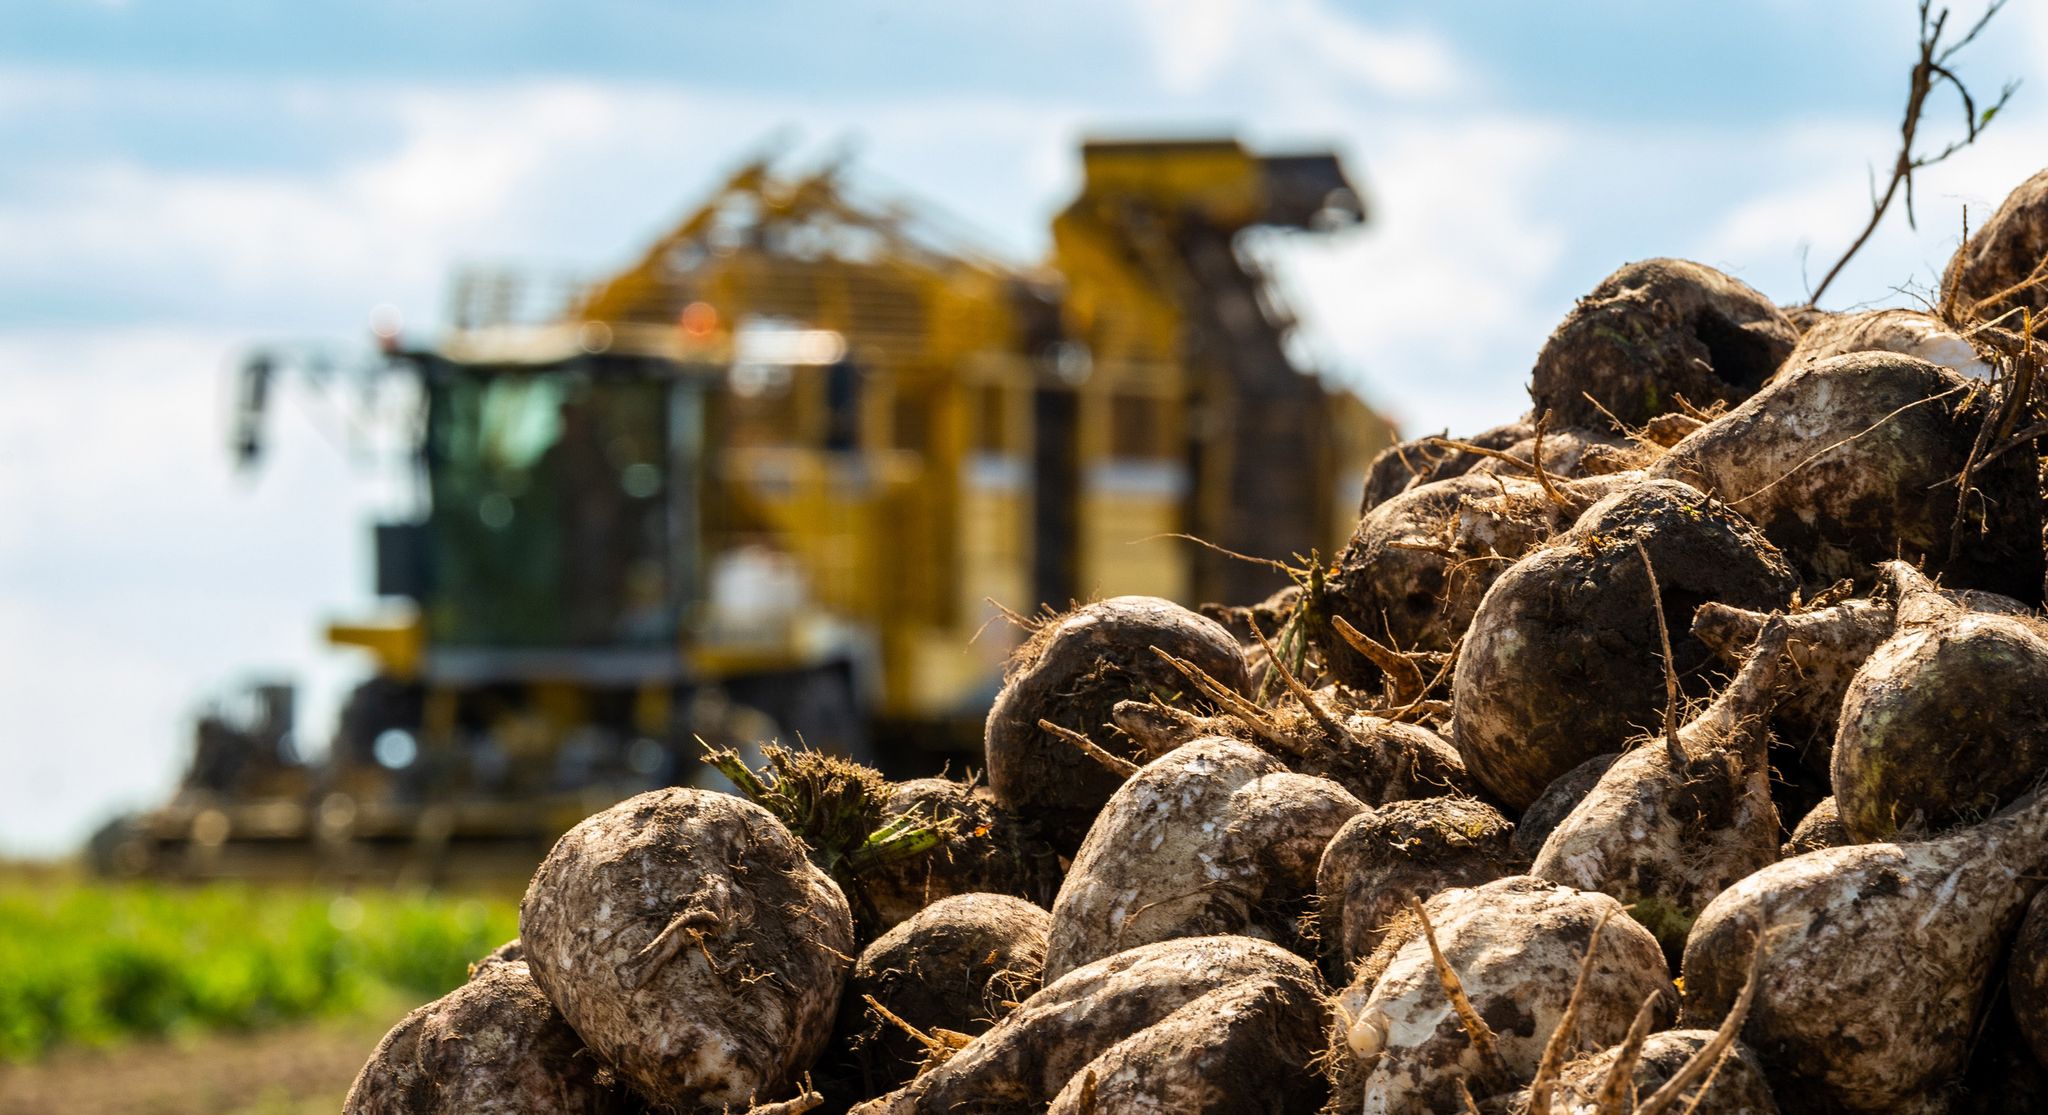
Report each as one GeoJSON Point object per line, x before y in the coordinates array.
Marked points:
{"type": "Point", "coordinates": [1113, 763]}
{"type": "Point", "coordinates": [1404, 676]}
{"type": "Point", "coordinates": [939, 1044]}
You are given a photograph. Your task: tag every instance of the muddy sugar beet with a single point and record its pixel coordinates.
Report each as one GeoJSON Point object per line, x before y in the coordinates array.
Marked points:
{"type": "Point", "coordinates": [686, 937]}
{"type": "Point", "coordinates": [1518, 945]}
{"type": "Point", "coordinates": [1216, 837]}
{"type": "Point", "coordinates": [1562, 660]}
{"type": "Point", "coordinates": [1674, 822]}
{"type": "Point", "coordinates": [1840, 1023]}
{"type": "Point", "coordinates": [1072, 672]}
{"type": "Point", "coordinates": [494, 1046]}
{"type": "Point", "coordinates": [1945, 721]}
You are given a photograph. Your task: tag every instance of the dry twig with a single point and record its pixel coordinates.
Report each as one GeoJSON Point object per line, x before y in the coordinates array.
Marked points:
{"type": "Point", "coordinates": [1932, 70]}
{"type": "Point", "coordinates": [1707, 1059]}
{"type": "Point", "coordinates": [1507, 458]}
{"type": "Point", "coordinates": [1615, 1088]}
{"type": "Point", "coordinates": [1338, 736]}
{"type": "Point", "coordinates": [1536, 462]}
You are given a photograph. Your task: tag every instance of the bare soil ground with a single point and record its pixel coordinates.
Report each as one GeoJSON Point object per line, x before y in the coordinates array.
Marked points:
{"type": "Point", "coordinates": [300, 1069]}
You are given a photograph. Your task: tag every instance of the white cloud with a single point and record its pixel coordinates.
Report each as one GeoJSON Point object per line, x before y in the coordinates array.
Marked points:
{"type": "Point", "coordinates": [1191, 41]}
{"type": "Point", "coordinates": [1407, 62]}
{"type": "Point", "coordinates": [1429, 304]}
{"type": "Point", "coordinates": [1194, 44]}
{"type": "Point", "coordinates": [558, 173]}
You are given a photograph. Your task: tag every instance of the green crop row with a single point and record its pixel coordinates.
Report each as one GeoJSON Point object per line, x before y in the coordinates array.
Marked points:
{"type": "Point", "coordinates": [92, 963]}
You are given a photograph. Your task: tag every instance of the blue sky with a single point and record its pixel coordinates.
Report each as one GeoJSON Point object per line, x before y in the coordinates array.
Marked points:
{"type": "Point", "coordinates": [184, 178]}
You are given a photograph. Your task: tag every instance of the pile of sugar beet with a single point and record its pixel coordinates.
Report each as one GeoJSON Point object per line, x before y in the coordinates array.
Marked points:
{"type": "Point", "coordinates": [1674, 749]}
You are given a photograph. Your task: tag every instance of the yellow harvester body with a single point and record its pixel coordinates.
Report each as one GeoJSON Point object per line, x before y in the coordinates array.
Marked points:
{"type": "Point", "coordinates": [867, 439]}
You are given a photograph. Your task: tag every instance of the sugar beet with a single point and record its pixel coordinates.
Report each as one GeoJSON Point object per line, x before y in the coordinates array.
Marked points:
{"type": "Point", "coordinates": [494, 1046]}
{"type": "Point", "coordinates": [685, 935]}
{"type": "Point", "coordinates": [1563, 659]}
{"type": "Point", "coordinates": [1946, 721]}
{"type": "Point", "coordinates": [1383, 858]}
{"type": "Point", "coordinates": [1517, 945]}
{"type": "Point", "coordinates": [949, 971]}
{"type": "Point", "coordinates": [1851, 461]}
{"type": "Point", "coordinates": [1652, 332]}
{"type": "Point", "coordinates": [2000, 269]}
{"type": "Point", "coordinates": [1876, 960]}
{"type": "Point", "coordinates": [1029, 1057]}
{"type": "Point", "coordinates": [1675, 821]}
{"type": "Point", "coordinates": [1072, 672]}
{"type": "Point", "coordinates": [1214, 837]}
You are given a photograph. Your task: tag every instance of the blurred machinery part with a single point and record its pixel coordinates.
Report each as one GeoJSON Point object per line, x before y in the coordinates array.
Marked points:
{"type": "Point", "coordinates": [768, 480]}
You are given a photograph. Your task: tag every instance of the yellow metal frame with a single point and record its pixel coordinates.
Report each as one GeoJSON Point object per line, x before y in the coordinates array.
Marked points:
{"type": "Point", "coordinates": [910, 536]}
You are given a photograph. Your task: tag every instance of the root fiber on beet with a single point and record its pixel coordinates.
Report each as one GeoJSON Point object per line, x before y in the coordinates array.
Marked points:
{"type": "Point", "coordinates": [1372, 757]}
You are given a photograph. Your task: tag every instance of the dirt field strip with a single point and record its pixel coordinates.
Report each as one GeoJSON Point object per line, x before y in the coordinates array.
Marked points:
{"type": "Point", "coordinates": [293, 1070]}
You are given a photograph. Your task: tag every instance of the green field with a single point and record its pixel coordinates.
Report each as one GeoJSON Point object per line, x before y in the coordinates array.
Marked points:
{"type": "Point", "coordinates": [91, 964]}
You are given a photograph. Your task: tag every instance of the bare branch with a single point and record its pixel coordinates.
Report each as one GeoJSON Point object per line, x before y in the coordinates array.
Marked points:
{"type": "Point", "coordinates": [1613, 1096]}
{"type": "Point", "coordinates": [1969, 35]}
{"type": "Point", "coordinates": [1930, 69]}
